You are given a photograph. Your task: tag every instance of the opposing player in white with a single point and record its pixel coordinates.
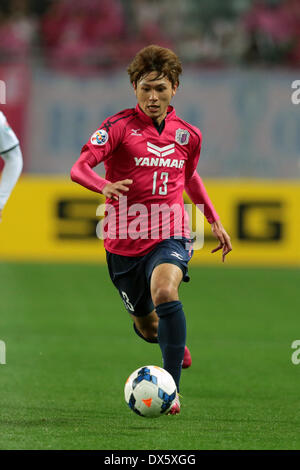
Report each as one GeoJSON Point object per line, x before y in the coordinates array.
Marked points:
{"type": "Point", "coordinates": [13, 161]}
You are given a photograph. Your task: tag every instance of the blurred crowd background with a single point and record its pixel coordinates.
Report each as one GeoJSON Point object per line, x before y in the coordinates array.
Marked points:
{"type": "Point", "coordinates": [91, 35]}
{"type": "Point", "coordinates": [64, 62]}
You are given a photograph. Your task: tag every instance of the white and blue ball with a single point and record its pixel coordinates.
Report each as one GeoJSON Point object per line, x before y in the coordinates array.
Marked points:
{"type": "Point", "coordinates": [150, 391]}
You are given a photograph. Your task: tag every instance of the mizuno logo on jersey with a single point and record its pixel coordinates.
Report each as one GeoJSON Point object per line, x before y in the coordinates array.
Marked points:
{"type": "Point", "coordinates": [135, 132]}
{"type": "Point", "coordinates": [177, 255]}
{"type": "Point", "coordinates": [160, 151]}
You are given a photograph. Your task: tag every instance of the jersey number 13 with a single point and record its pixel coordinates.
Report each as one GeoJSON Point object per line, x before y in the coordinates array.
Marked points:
{"type": "Point", "coordinates": [163, 189]}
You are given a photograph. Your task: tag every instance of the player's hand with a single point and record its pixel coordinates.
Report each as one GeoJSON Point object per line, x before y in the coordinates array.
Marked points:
{"type": "Point", "coordinates": [220, 233]}
{"type": "Point", "coordinates": [114, 190]}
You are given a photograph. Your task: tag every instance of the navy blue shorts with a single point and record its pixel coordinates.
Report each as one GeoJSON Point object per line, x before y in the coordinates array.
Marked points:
{"type": "Point", "coordinates": [132, 275]}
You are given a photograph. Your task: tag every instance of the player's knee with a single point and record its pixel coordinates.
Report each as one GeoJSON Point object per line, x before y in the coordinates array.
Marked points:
{"type": "Point", "coordinates": [164, 294]}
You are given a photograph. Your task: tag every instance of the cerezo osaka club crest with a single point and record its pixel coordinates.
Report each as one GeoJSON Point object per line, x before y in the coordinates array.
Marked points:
{"type": "Point", "coordinates": [182, 136]}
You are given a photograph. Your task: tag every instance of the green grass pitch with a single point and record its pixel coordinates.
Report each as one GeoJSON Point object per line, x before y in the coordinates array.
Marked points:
{"type": "Point", "coordinates": [70, 346]}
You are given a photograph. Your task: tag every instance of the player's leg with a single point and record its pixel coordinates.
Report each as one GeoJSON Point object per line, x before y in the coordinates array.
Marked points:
{"type": "Point", "coordinates": [146, 326]}
{"type": "Point", "coordinates": [165, 281]}
{"type": "Point", "coordinates": [128, 276]}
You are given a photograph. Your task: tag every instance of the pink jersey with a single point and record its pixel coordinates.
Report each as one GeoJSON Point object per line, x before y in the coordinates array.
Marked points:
{"type": "Point", "coordinates": [161, 166]}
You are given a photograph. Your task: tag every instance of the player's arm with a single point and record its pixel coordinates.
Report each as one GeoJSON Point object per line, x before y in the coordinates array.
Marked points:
{"type": "Point", "coordinates": [82, 173]}
{"type": "Point", "coordinates": [196, 191]}
{"type": "Point", "coordinates": [220, 234]}
{"type": "Point", "coordinates": [91, 155]}
{"type": "Point", "coordinates": [13, 164]}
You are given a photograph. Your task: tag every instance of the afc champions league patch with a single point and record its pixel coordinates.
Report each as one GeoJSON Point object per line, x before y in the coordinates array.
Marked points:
{"type": "Point", "coordinates": [182, 136]}
{"type": "Point", "coordinates": [99, 137]}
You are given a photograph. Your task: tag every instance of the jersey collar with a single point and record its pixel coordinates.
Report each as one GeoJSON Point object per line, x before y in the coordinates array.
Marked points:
{"type": "Point", "coordinates": [170, 114]}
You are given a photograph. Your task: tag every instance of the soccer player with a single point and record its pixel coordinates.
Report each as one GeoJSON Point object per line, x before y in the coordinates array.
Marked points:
{"type": "Point", "coordinates": [150, 156]}
{"type": "Point", "coordinates": [13, 161]}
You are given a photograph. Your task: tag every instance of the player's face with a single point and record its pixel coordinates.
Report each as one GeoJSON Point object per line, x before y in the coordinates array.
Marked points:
{"type": "Point", "coordinates": [154, 95]}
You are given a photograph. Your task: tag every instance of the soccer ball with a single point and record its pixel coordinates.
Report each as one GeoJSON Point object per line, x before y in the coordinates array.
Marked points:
{"type": "Point", "coordinates": [150, 391]}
